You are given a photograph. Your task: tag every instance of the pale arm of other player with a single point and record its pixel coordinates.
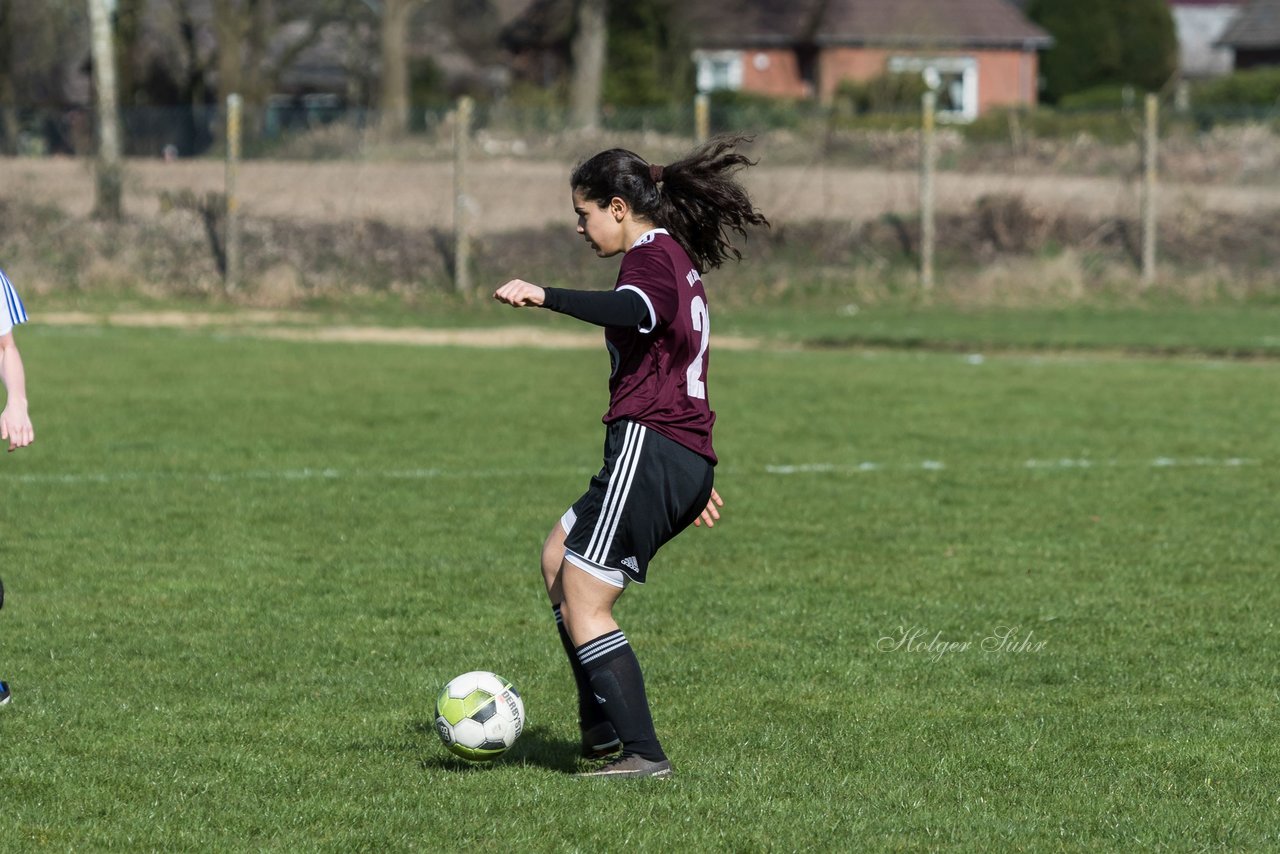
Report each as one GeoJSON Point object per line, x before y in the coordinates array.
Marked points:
{"type": "Point", "coordinates": [15, 423]}
{"type": "Point", "coordinates": [711, 513]}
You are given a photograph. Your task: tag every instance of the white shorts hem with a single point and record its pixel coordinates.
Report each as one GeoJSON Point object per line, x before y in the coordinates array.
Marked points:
{"type": "Point", "coordinates": [613, 577]}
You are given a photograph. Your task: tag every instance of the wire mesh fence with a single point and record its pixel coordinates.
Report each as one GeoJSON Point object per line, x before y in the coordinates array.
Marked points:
{"type": "Point", "coordinates": [1014, 182]}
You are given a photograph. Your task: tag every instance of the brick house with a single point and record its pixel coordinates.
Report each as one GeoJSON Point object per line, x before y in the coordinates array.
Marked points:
{"type": "Point", "coordinates": [984, 52]}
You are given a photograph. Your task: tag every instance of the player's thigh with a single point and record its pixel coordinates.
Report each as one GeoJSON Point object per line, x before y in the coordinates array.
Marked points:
{"type": "Point", "coordinates": [589, 602]}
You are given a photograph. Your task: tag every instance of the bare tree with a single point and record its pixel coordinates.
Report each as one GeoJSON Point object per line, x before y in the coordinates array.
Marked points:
{"type": "Point", "coordinates": [8, 95]}
{"type": "Point", "coordinates": [394, 100]}
{"type": "Point", "coordinates": [260, 39]}
{"type": "Point", "coordinates": [241, 28]}
{"type": "Point", "coordinates": [108, 194]}
{"type": "Point", "coordinates": [43, 47]}
{"type": "Point", "coordinates": [129, 17]}
{"type": "Point", "coordinates": [590, 46]}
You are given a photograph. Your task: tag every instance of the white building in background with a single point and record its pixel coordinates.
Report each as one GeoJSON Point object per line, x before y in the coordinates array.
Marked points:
{"type": "Point", "coordinates": [1200, 23]}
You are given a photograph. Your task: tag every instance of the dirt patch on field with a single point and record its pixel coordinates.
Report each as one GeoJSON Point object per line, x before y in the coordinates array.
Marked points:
{"type": "Point", "coordinates": [266, 324]}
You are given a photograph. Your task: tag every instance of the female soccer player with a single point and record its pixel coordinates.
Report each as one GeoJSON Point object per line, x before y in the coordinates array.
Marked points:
{"type": "Point", "coordinates": [15, 424]}
{"type": "Point", "coordinates": [671, 224]}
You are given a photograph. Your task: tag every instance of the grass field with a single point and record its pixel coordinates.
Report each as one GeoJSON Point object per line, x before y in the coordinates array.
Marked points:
{"type": "Point", "coordinates": [238, 571]}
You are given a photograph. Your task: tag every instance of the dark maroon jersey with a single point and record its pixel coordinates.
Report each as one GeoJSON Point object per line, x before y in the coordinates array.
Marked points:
{"type": "Point", "coordinates": [659, 376]}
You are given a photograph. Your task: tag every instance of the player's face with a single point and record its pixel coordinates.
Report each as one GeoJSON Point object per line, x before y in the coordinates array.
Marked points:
{"type": "Point", "coordinates": [600, 226]}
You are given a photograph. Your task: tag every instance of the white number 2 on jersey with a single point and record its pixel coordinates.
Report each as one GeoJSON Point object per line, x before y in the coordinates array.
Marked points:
{"type": "Point", "coordinates": [694, 386]}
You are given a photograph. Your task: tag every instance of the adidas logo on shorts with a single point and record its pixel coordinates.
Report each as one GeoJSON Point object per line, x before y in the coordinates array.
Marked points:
{"type": "Point", "coordinates": [631, 563]}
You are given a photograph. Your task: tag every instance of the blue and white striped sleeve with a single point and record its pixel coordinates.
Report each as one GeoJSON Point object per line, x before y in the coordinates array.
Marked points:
{"type": "Point", "coordinates": [12, 311]}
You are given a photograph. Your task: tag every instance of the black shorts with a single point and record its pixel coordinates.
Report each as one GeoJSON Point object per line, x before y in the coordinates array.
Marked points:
{"type": "Point", "coordinates": [649, 490]}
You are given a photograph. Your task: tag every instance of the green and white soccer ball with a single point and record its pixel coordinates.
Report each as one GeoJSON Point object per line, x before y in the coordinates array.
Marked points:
{"type": "Point", "coordinates": [479, 715]}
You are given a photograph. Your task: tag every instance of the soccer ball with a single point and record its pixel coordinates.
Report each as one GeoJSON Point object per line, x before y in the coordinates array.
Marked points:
{"type": "Point", "coordinates": [479, 715]}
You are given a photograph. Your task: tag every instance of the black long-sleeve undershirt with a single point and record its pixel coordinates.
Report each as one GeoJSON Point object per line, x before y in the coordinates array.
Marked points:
{"type": "Point", "coordinates": [603, 308]}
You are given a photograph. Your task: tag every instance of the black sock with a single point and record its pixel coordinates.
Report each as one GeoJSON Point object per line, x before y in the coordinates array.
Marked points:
{"type": "Point", "coordinates": [589, 712]}
{"type": "Point", "coordinates": [618, 684]}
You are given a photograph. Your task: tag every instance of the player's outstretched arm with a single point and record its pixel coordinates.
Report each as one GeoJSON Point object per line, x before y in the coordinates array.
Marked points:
{"type": "Point", "coordinates": [712, 512]}
{"type": "Point", "coordinates": [519, 293]}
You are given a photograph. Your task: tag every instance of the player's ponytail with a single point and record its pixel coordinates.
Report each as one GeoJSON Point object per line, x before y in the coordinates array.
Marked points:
{"type": "Point", "coordinates": [697, 199]}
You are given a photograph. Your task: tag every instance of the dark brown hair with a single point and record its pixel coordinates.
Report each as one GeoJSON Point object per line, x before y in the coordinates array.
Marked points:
{"type": "Point", "coordinates": [697, 199]}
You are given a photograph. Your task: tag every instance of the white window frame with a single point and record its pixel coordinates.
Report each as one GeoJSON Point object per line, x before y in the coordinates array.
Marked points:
{"type": "Point", "coordinates": [709, 62]}
{"type": "Point", "coordinates": [966, 67]}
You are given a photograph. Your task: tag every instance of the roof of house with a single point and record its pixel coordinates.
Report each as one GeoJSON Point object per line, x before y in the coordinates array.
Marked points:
{"type": "Point", "coordinates": [906, 23]}
{"type": "Point", "coordinates": [1257, 27]}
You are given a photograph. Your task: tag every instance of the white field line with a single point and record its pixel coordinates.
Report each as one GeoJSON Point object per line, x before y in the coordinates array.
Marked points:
{"type": "Point", "coordinates": [1061, 464]}
{"type": "Point", "coordinates": [283, 475]}
{"type": "Point", "coordinates": [321, 474]}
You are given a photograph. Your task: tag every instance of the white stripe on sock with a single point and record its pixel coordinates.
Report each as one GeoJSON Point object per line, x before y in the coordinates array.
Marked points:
{"type": "Point", "coordinates": [601, 646]}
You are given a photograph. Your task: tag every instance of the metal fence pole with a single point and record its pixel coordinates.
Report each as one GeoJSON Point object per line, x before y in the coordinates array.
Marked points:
{"type": "Point", "coordinates": [928, 156]}
{"type": "Point", "coordinates": [231, 238]}
{"type": "Point", "coordinates": [461, 200]}
{"type": "Point", "coordinates": [1150, 151]}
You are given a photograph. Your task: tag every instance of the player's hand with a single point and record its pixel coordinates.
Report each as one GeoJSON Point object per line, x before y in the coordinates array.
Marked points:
{"type": "Point", "coordinates": [16, 429]}
{"type": "Point", "coordinates": [519, 293]}
{"type": "Point", "coordinates": [711, 514]}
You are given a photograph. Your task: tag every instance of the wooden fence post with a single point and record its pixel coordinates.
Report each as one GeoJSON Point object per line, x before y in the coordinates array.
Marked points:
{"type": "Point", "coordinates": [928, 156]}
{"type": "Point", "coordinates": [1150, 151]}
{"type": "Point", "coordinates": [461, 199]}
{"type": "Point", "coordinates": [231, 237]}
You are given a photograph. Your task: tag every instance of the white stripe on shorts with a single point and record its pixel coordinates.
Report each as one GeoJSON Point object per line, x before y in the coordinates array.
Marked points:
{"type": "Point", "coordinates": [610, 492]}
{"type": "Point", "coordinates": [615, 498]}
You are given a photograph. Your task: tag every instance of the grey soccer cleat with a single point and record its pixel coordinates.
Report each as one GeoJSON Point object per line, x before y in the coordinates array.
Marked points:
{"type": "Point", "coordinates": [5, 696]}
{"type": "Point", "coordinates": [599, 741]}
{"type": "Point", "coordinates": [631, 766]}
